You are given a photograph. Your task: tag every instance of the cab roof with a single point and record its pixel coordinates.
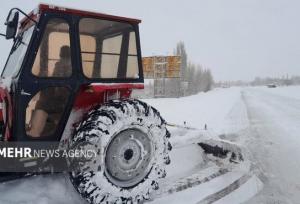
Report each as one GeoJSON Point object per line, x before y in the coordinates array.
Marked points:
{"type": "Point", "coordinates": [58, 9]}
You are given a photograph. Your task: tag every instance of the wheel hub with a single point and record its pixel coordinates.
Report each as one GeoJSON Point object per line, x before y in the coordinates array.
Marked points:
{"type": "Point", "coordinates": [128, 154]}
{"type": "Point", "coordinates": [127, 158]}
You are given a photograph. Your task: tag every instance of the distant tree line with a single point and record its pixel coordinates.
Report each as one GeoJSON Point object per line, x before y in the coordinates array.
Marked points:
{"type": "Point", "coordinates": [262, 81]}
{"type": "Point", "coordinates": [282, 81]}
{"type": "Point", "coordinates": [193, 77]}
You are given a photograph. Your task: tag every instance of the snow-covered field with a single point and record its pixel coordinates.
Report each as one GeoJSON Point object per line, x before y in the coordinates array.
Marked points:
{"type": "Point", "coordinates": [265, 121]}
{"type": "Point", "coordinates": [212, 108]}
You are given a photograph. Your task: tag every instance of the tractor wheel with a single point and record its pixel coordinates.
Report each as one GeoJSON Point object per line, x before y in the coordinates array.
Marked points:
{"type": "Point", "coordinates": [131, 141]}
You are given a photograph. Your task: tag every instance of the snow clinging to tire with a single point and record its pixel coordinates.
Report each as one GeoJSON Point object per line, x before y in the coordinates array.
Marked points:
{"type": "Point", "coordinates": [132, 144]}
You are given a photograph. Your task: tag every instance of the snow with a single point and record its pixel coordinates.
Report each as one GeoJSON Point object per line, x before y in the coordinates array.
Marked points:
{"type": "Point", "coordinates": [289, 92]}
{"type": "Point", "coordinates": [264, 120]}
{"type": "Point", "coordinates": [200, 192]}
{"type": "Point", "coordinates": [274, 116]}
{"type": "Point", "coordinates": [180, 157]}
{"type": "Point", "coordinates": [244, 193]}
{"type": "Point", "coordinates": [6, 83]}
{"type": "Point", "coordinates": [49, 189]}
{"type": "Point", "coordinates": [209, 108]}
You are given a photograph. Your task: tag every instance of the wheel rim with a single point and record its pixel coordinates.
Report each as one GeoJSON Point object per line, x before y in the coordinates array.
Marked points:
{"type": "Point", "coordinates": [128, 157]}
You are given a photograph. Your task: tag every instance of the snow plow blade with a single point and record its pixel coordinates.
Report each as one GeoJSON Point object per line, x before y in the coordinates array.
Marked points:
{"type": "Point", "coordinates": [222, 149]}
{"type": "Point", "coordinates": [213, 169]}
{"type": "Point", "coordinates": [209, 142]}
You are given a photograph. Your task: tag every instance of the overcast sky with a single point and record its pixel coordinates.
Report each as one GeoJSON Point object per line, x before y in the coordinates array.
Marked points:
{"type": "Point", "coordinates": [236, 39]}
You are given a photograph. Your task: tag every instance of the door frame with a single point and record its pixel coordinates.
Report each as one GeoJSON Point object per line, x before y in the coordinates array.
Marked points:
{"type": "Point", "coordinates": [29, 85]}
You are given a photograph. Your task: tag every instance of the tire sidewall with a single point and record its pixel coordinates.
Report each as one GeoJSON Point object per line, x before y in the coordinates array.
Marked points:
{"type": "Point", "coordinates": [150, 123]}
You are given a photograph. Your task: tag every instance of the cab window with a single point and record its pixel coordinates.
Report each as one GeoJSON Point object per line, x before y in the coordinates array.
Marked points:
{"type": "Point", "coordinates": [108, 49]}
{"type": "Point", "coordinates": [53, 58]}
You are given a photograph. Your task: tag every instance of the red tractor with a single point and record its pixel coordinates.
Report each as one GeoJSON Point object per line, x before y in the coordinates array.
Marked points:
{"type": "Point", "coordinates": [68, 79]}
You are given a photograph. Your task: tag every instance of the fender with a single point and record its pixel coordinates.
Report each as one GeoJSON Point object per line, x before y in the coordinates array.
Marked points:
{"type": "Point", "coordinates": [92, 95]}
{"type": "Point", "coordinates": [99, 93]}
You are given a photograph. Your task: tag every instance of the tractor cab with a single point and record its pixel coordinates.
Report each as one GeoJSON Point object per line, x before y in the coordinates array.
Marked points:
{"type": "Point", "coordinates": [64, 60]}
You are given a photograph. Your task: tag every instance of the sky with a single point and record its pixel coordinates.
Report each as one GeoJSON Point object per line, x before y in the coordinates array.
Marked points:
{"type": "Point", "coordinates": [237, 40]}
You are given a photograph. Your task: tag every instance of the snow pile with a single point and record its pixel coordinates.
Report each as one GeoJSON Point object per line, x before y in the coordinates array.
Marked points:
{"type": "Point", "coordinates": [209, 108]}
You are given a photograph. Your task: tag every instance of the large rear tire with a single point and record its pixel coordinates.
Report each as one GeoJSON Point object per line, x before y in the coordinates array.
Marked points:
{"type": "Point", "coordinates": [132, 146]}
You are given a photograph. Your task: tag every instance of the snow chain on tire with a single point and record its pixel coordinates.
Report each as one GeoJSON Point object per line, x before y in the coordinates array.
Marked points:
{"type": "Point", "coordinates": [131, 141]}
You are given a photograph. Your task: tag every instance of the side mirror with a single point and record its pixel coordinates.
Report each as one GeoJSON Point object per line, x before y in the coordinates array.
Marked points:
{"type": "Point", "coordinates": [11, 23]}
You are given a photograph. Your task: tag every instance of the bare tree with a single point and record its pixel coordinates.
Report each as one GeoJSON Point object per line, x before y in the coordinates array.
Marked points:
{"type": "Point", "coordinates": [196, 78]}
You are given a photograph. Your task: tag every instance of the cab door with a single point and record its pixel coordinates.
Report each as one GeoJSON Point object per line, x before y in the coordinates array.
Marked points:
{"type": "Point", "coordinates": [48, 84]}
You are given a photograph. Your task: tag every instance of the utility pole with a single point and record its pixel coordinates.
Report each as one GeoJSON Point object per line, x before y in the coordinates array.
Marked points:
{"type": "Point", "coordinates": [159, 68]}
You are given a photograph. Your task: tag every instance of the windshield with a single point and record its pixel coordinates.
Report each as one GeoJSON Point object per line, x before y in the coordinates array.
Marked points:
{"type": "Point", "coordinates": [17, 53]}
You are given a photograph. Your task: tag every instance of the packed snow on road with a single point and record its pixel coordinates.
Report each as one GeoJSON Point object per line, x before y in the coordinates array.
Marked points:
{"type": "Point", "coordinates": [264, 122]}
